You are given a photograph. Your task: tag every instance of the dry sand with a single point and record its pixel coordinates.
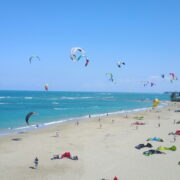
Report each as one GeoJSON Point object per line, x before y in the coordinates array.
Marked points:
{"type": "Point", "coordinates": [105, 149]}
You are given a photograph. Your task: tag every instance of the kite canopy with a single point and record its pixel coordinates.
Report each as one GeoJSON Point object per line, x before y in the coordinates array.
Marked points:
{"type": "Point", "coordinates": [78, 53]}
{"type": "Point", "coordinates": [34, 58]}
{"type": "Point", "coordinates": [110, 76]}
{"type": "Point", "coordinates": [28, 117]}
{"type": "Point", "coordinates": [170, 77]}
{"type": "Point", "coordinates": [120, 63]}
{"type": "Point", "coordinates": [155, 139]}
{"type": "Point", "coordinates": [155, 102]}
{"type": "Point", "coordinates": [46, 87]}
{"type": "Point", "coordinates": [162, 148]}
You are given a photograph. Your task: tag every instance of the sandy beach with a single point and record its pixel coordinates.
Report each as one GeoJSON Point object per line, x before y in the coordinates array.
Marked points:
{"type": "Point", "coordinates": [105, 148]}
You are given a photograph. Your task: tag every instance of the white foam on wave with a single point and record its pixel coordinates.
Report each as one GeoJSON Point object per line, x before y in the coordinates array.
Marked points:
{"type": "Point", "coordinates": [73, 98]}
{"type": "Point", "coordinates": [27, 97]}
{"type": "Point", "coordinates": [34, 127]}
{"type": "Point", "coordinates": [4, 97]}
{"type": "Point", "coordinates": [56, 108]}
{"type": "Point", "coordinates": [55, 103]}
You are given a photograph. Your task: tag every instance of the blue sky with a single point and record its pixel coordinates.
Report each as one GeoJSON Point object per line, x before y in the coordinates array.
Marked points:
{"type": "Point", "coordinates": [143, 33]}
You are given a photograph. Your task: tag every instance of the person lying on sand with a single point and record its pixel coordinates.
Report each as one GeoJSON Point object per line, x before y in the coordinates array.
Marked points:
{"type": "Point", "coordinates": [65, 155]}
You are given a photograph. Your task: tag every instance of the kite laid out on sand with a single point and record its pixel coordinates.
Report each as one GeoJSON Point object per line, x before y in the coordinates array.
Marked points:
{"type": "Point", "coordinates": [120, 63]}
{"type": "Point", "coordinates": [138, 123]}
{"type": "Point", "coordinates": [152, 151]}
{"type": "Point", "coordinates": [162, 148]}
{"type": "Point", "coordinates": [28, 117]}
{"type": "Point", "coordinates": [140, 146]}
{"type": "Point", "coordinates": [139, 117]}
{"type": "Point", "coordinates": [155, 139]}
{"type": "Point", "coordinates": [78, 53]}
{"type": "Point", "coordinates": [115, 178]}
{"type": "Point", "coordinates": [65, 155]}
{"type": "Point", "coordinates": [34, 58]}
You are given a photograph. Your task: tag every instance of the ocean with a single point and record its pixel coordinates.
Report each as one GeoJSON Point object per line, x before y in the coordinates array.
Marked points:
{"type": "Point", "coordinates": [58, 107]}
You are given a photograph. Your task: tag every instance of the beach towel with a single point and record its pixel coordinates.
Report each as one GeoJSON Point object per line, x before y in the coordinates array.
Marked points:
{"type": "Point", "coordinates": [172, 148]}
{"type": "Point", "coordinates": [152, 151]}
{"type": "Point", "coordinates": [155, 139]}
{"type": "Point", "coordinates": [140, 146]}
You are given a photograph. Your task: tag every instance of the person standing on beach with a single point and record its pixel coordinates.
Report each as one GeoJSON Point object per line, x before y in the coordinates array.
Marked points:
{"type": "Point", "coordinates": [57, 133]}
{"type": "Point", "coordinates": [36, 161]}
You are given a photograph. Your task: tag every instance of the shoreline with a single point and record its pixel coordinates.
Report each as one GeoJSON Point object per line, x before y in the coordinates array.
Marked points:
{"type": "Point", "coordinates": [35, 127]}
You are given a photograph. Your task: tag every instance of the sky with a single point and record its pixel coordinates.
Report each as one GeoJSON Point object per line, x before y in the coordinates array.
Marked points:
{"type": "Point", "coordinates": [145, 34]}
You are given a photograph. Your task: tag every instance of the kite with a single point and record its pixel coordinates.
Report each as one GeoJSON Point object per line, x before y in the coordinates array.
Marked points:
{"type": "Point", "coordinates": [163, 76]}
{"type": "Point", "coordinates": [173, 75]}
{"type": "Point", "coordinates": [155, 102]}
{"type": "Point", "coordinates": [28, 117]}
{"type": "Point", "coordinates": [110, 76]}
{"type": "Point", "coordinates": [78, 53]}
{"type": "Point", "coordinates": [34, 57]}
{"type": "Point", "coordinates": [46, 86]}
{"type": "Point", "coordinates": [152, 84]}
{"type": "Point", "coordinates": [87, 62]}
{"type": "Point", "coordinates": [145, 83]}
{"type": "Point", "coordinates": [120, 63]}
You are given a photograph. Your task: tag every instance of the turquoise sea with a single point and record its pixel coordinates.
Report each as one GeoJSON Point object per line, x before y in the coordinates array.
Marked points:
{"type": "Point", "coordinates": [57, 107]}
